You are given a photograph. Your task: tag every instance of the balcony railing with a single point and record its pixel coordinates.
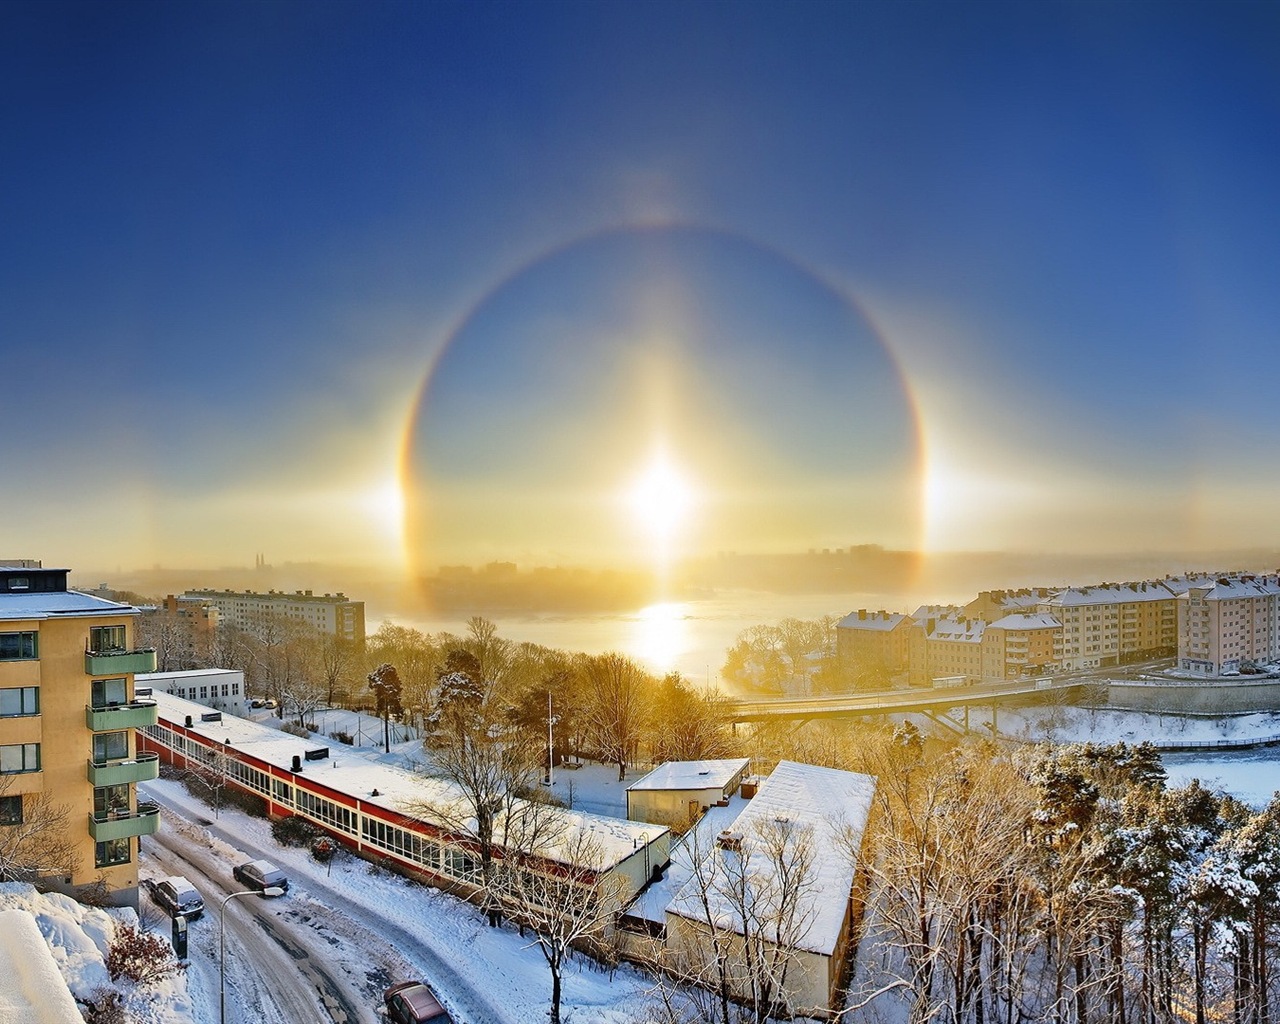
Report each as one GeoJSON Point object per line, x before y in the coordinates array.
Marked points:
{"type": "Point", "coordinates": [136, 714]}
{"type": "Point", "coordinates": [119, 662]}
{"type": "Point", "coordinates": [143, 768]}
{"type": "Point", "coordinates": [145, 821]}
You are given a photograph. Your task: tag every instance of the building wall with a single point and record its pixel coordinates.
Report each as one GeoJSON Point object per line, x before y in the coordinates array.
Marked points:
{"type": "Point", "coordinates": [871, 640]}
{"type": "Point", "coordinates": [220, 688]}
{"type": "Point", "coordinates": [812, 979]}
{"type": "Point", "coordinates": [66, 742]}
{"type": "Point", "coordinates": [671, 806]}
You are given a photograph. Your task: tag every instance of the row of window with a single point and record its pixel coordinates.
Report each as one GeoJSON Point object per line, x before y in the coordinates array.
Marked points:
{"type": "Point", "coordinates": [410, 846]}
{"type": "Point", "coordinates": [190, 692]}
{"type": "Point", "coordinates": [24, 645]}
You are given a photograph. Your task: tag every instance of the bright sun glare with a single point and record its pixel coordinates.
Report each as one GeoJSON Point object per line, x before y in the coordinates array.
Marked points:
{"type": "Point", "coordinates": [661, 499]}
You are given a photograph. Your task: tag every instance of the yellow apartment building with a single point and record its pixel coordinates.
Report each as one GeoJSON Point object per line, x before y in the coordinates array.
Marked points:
{"type": "Point", "coordinates": [67, 726]}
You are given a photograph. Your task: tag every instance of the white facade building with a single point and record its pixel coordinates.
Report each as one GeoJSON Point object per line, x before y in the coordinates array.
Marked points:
{"type": "Point", "coordinates": [220, 688]}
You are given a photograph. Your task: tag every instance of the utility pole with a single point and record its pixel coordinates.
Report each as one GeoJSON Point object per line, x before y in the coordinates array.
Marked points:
{"type": "Point", "coordinates": [551, 746]}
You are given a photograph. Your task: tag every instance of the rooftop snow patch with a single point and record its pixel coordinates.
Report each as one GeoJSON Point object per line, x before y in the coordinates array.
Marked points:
{"type": "Point", "coordinates": [35, 604]}
{"type": "Point", "coordinates": [714, 774]}
{"type": "Point", "coordinates": [824, 809]}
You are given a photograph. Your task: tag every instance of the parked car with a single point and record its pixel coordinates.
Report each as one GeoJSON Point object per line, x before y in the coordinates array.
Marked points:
{"type": "Point", "coordinates": [411, 1002]}
{"type": "Point", "coordinates": [177, 896]}
{"type": "Point", "coordinates": [260, 875]}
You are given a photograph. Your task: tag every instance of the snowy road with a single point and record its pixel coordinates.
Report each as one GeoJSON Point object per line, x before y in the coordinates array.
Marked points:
{"type": "Point", "coordinates": [271, 975]}
{"type": "Point", "coordinates": [320, 942]}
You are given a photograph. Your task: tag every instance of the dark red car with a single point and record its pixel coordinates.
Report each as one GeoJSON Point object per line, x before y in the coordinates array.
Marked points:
{"type": "Point", "coordinates": [411, 1002]}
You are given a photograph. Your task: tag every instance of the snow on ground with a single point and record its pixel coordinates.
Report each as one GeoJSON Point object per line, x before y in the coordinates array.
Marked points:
{"type": "Point", "coordinates": [79, 937]}
{"type": "Point", "coordinates": [1251, 775]}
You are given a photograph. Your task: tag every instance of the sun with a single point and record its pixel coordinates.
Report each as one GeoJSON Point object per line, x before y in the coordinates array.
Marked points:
{"type": "Point", "coordinates": [661, 500]}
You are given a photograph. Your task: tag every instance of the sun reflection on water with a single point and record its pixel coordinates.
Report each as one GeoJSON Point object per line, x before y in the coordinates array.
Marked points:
{"type": "Point", "coordinates": [659, 635]}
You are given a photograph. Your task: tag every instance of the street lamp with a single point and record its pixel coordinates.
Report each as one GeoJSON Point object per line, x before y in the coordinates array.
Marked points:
{"type": "Point", "coordinates": [271, 890]}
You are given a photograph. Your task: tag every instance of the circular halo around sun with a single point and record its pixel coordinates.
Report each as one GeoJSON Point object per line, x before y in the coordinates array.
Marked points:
{"type": "Point", "coordinates": [652, 395]}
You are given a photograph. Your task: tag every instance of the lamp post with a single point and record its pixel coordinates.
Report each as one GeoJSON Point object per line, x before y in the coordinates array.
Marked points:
{"type": "Point", "coordinates": [271, 890]}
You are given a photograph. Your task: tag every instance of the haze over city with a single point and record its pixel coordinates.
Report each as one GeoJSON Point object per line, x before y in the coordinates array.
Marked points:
{"type": "Point", "coordinates": [399, 286]}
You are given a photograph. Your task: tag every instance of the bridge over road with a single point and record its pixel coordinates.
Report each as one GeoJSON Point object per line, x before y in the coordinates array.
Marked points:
{"type": "Point", "coordinates": [929, 701]}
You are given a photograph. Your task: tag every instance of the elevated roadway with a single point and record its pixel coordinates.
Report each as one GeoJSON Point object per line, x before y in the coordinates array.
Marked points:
{"type": "Point", "coordinates": [885, 702]}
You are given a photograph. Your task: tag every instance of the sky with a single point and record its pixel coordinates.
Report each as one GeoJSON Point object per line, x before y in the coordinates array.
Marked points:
{"type": "Point", "coordinates": [370, 283]}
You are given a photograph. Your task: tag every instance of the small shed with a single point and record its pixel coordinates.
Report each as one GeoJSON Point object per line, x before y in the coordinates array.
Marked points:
{"type": "Point", "coordinates": [678, 793]}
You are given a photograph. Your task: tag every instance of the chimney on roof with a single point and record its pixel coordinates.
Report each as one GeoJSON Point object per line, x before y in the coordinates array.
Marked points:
{"type": "Point", "coordinates": [862, 613]}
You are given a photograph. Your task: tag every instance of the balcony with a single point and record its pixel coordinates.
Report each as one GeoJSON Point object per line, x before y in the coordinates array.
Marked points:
{"type": "Point", "coordinates": [136, 715]}
{"type": "Point", "coordinates": [105, 825]}
{"type": "Point", "coordinates": [143, 768]}
{"type": "Point", "coordinates": [119, 663]}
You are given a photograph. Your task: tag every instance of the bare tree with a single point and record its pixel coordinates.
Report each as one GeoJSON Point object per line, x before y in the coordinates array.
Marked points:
{"type": "Point", "coordinates": [618, 694]}
{"type": "Point", "coordinates": [34, 837]}
{"type": "Point", "coordinates": [746, 910]}
{"type": "Point", "coordinates": [336, 655]}
{"type": "Point", "coordinates": [301, 696]}
{"type": "Point", "coordinates": [552, 878]}
{"type": "Point", "coordinates": [687, 724]}
{"type": "Point", "coordinates": [208, 772]}
{"type": "Point", "coordinates": [491, 765]}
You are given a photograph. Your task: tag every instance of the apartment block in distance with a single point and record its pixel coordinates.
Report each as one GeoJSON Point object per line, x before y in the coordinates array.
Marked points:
{"type": "Point", "coordinates": [67, 723]}
{"type": "Point", "coordinates": [332, 614]}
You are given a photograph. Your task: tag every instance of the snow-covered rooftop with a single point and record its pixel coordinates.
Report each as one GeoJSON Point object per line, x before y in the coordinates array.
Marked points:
{"type": "Point", "coordinates": [878, 621]}
{"type": "Point", "coordinates": [1228, 588]}
{"type": "Point", "coordinates": [1024, 620]}
{"type": "Point", "coordinates": [50, 604]}
{"type": "Point", "coordinates": [715, 774]}
{"type": "Point", "coordinates": [146, 678]}
{"type": "Point", "coordinates": [413, 794]}
{"type": "Point", "coordinates": [1111, 593]}
{"type": "Point", "coordinates": [824, 809]}
{"type": "Point", "coordinates": [958, 630]}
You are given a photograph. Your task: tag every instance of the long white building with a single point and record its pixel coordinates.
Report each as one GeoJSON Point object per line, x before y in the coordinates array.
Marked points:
{"type": "Point", "coordinates": [334, 614]}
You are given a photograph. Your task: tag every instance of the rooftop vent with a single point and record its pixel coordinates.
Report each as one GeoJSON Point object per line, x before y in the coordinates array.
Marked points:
{"type": "Point", "coordinates": [211, 716]}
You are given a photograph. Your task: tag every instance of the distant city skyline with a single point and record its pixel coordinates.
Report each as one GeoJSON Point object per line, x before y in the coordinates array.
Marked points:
{"type": "Point", "coordinates": [619, 284]}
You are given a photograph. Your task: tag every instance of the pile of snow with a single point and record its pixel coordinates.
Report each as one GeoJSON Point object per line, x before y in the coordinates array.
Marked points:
{"type": "Point", "coordinates": [34, 992]}
{"type": "Point", "coordinates": [76, 941]}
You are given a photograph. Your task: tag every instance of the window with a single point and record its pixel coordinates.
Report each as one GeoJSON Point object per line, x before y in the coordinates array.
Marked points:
{"type": "Point", "coordinates": [113, 851]}
{"type": "Point", "coordinates": [110, 746]}
{"type": "Point", "coordinates": [19, 757]}
{"type": "Point", "coordinates": [18, 646]}
{"type": "Point", "coordinates": [19, 700]}
{"type": "Point", "coordinates": [107, 799]}
{"type": "Point", "coordinates": [104, 639]}
{"type": "Point", "coordinates": [10, 810]}
{"type": "Point", "coordinates": [19, 583]}
{"type": "Point", "coordinates": [107, 692]}
{"type": "Point", "coordinates": [204, 692]}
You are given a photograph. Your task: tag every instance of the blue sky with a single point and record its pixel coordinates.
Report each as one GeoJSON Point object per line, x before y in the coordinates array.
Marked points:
{"type": "Point", "coordinates": [237, 237]}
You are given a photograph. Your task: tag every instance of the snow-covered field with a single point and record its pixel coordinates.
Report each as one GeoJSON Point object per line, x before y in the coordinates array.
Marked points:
{"type": "Point", "coordinates": [1251, 775]}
